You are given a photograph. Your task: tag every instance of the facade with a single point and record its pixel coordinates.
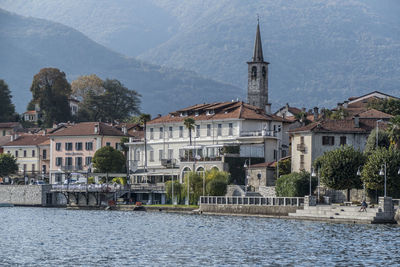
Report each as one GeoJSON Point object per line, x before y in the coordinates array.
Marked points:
{"type": "Point", "coordinates": [311, 141]}
{"type": "Point", "coordinates": [26, 149]}
{"type": "Point", "coordinates": [73, 105]}
{"type": "Point", "coordinates": [9, 128]}
{"type": "Point", "coordinates": [73, 147]}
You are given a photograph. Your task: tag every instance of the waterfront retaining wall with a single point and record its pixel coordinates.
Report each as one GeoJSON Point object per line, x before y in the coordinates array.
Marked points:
{"type": "Point", "coordinates": [249, 209]}
{"type": "Point", "coordinates": [30, 195]}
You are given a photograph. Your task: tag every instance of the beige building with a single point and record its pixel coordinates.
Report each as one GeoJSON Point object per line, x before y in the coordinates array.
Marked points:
{"type": "Point", "coordinates": [27, 150]}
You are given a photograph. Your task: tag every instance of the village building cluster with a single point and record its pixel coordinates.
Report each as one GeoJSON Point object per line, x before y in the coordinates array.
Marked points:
{"type": "Point", "coordinates": [243, 138]}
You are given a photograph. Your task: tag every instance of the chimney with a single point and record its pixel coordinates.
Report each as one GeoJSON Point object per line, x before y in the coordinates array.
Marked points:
{"type": "Point", "coordinates": [357, 121]}
{"type": "Point", "coordinates": [96, 128]}
{"type": "Point", "coordinates": [44, 132]}
{"type": "Point", "coordinates": [346, 104]}
{"type": "Point", "coordinates": [287, 106]}
{"type": "Point", "coordinates": [339, 105]}
{"type": "Point", "coordinates": [316, 113]}
{"type": "Point", "coordinates": [124, 129]}
{"type": "Point", "coordinates": [268, 108]}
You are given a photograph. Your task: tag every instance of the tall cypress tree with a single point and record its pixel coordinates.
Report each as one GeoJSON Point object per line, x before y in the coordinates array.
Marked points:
{"type": "Point", "coordinates": [7, 108]}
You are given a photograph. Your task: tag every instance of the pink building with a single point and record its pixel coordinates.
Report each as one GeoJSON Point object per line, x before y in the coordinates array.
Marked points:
{"type": "Point", "coordinates": [72, 148]}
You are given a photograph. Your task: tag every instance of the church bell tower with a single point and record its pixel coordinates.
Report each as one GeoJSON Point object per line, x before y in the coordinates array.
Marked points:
{"type": "Point", "coordinates": [257, 88]}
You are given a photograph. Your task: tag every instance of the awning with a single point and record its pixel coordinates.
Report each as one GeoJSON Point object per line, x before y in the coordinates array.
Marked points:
{"type": "Point", "coordinates": [192, 147]}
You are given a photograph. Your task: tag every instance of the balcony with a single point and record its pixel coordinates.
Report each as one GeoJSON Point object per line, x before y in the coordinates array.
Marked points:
{"type": "Point", "coordinates": [168, 163]}
{"type": "Point", "coordinates": [301, 147]}
{"type": "Point", "coordinates": [257, 133]}
{"type": "Point", "coordinates": [201, 159]}
{"type": "Point", "coordinates": [71, 168]}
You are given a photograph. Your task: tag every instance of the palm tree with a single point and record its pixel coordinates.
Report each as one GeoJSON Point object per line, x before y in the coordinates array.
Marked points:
{"type": "Point", "coordinates": [189, 124]}
{"type": "Point", "coordinates": [143, 119]}
{"type": "Point", "coordinates": [394, 131]}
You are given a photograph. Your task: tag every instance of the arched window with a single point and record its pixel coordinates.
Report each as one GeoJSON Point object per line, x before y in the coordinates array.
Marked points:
{"type": "Point", "coordinates": [264, 72]}
{"type": "Point", "coordinates": [254, 72]}
{"type": "Point", "coordinates": [215, 168]}
{"type": "Point", "coordinates": [184, 171]}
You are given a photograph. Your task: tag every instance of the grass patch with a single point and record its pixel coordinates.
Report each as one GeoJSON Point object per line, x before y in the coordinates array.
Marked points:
{"type": "Point", "coordinates": [172, 206]}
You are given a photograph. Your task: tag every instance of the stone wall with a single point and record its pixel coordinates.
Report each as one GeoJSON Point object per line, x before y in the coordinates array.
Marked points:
{"type": "Point", "coordinates": [249, 209]}
{"type": "Point", "coordinates": [267, 191]}
{"type": "Point", "coordinates": [30, 195]}
{"type": "Point", "coordinates": [340, 196]}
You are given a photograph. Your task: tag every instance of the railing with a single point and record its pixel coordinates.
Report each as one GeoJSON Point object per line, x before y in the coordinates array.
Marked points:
{"type": "Point", "coordinates": [146, 187]}
{"type": "Point", "coordinates": [88, 188]}
{"type": "Point", "coordinates": [258, 133]}
{"type": "Point", "coordinates": [192, 159]}
{"type": "Point", "coordinates": [71, 167]}
{"type": "Point", "coordinates": [261, 201]}
{"type": "Point", "coordinates": [301, 147]}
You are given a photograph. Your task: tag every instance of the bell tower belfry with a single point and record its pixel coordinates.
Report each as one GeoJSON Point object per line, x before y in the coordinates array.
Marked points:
{"type": "Point", "coordinates": [257, 88]}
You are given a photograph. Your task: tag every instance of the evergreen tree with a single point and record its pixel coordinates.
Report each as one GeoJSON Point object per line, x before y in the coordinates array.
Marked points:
{"type": "Point", "coordinates": [7, 108]}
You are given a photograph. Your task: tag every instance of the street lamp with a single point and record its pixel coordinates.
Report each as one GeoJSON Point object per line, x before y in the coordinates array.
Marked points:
{"type": "Point", "coordinates": [359, 174]}
{"type": "Point", "coordinates": [246, 166]}
{"type": "Point", "coordinates": [312, 174]}
{"type": "Point", "coordinates": [382, 172]}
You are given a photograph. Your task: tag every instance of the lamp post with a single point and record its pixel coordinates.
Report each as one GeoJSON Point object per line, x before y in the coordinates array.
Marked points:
{"type": "Point", "coordinates": [383, 173]}
{"type": "Point", "coordinates": [247, 167]}
{"type": "Point", "coordinates": [312, 174]}
{"type": "Point", "coordinates": [318, 173]}
{"type": "Point", "coordinates": [359, 174]}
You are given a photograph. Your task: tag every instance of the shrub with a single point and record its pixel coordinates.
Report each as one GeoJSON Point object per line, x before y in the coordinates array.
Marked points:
{"type": "Point", "coordinates": [119, 180]}
{"type": "Point", "coordinates": [296, 184]}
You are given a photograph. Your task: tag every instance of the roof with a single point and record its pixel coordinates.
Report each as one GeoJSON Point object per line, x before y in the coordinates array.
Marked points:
{"type": "Point", "coordinates": [337, 126]}
{"type": "Point", "coordinates": [220, 110]}
{"type": "Point", "coordinates": [31, 112]}
{"type": "Point", "coordinates": [5, 139]}
{"type": "Point", "coordinates": [9, 124]}
{"type": "Point", "coordinates": [271, 164]}
{"type": "Point", "coordinates": [374, 114]}
{"type": "Point", "coordinates": [258, 53]}
{"type": "Point", "coordinates": [375, 94]}
{"type": "Point", "coordinates": [28, 140]}
{"type": "Point", "coordinates": [88, 128]}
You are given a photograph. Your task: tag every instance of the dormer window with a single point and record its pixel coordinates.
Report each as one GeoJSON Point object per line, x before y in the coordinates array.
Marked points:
{"type": "Point", "coordinates": [183, 114]}
{"type": "Point", "coordinates": [196, 114]}
{"type": "Point", "coordinates": [210, 112]}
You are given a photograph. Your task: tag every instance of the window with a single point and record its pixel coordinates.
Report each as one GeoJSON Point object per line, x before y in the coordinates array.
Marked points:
{"type": "Point", "coordinates": [4, 132]}
{"type": "Point", "coordinates": [44, 154]}
{"type": "Point", "coordinates": [301, 162]}
{"type": "Point", "coordinates": [68, 161]}
{"type": "Point", "coordinates": [254, 72]}
{"type": "Point", "coordinates": [16, 153]}
{"type": "Point", "coordinates": [78, 161]}
{"type": "Point", "coordinates": [58, 161]}
{"type": "Point", "coordinates": [160, 154]}
{"type": "Point", "coordinates": [301, 139]}
{"type": "Point", "coordinates": [33, 168]}
{"type": "Point", "coordinates": [170, 153]}
{"type": "Point", "coordinates": [343, 140]}
{"type": "Point", "coordinates": [328, 140]}
{"type": "Point", "coordinates": [24, 153]}
{"type": "Point", "coordinates": [137, 155]}
{"type": "Point", "coordinates": [151, 133]}
{"type": "Point", "coordinates": [108, 144]}
{"type": "Point", "coordinates": [161, 132]}
{"type": "Point", "coordinates": [198, 130]}
{"type": "Point", "coordinates": [68, 146]}
{"type": "Point", "coordinates": [58, 146]}
{"type": "Point", "coordinates": [44, 169]}
{"type": "Point", "coordinates": [219, 130]}
{"type": "Point", "coordinates": [151, 155]}
{"type": "Point", "coordinates": [170, 132]}
{"type": "Point", "coordinates": [230, 128]}
{"type": "Point", "coordinates": [208, 129]}
{"type": "Point", "coordinates": [89, 145]}
{"type": "Point", "coordinates": [8, 152]}
{"type": "Point", "coordinates": [180, 131]}
{"type": "Point", "coordinates": [275, 154]}
{"type": "Point", "coordinates": [88, 160]}
{"type": "Point", "coordinates": [78, 146]}
{"type": "Point", "coordinates": [24, 167]}
{"type": "Point", "coordinates": [283, 153]}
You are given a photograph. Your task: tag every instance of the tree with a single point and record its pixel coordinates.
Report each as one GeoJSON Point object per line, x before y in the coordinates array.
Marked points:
{"type": "Point", "coordinates": [296, 184]}
{"type": "Point", "coordinates": [383, 141]}
{"type": "Point", "coordinates": [51, 90]}
{"type": "Point", "coordinates": [388, 105]}
{"type": "Point", "coordinates": [7, 108]}
{"type": "Point", "coordinates": [81, 86]}
{"type": "Point", "coordinates": [189, 124]}
{"type": "Point", "coordinates": [338, 168]}
{"type": "Point", "coordinates": [216, 182]}
{"type": "Point", "coordinates": [8, 165]}
{"type": "Point", "coordinates": [195, 187]}
{"type": "Point", "coordinates": [117, 103]}
{"type": "Point", "coordinates": [178, 191]}
{"type": "Point", "coordinates": [339, 114]}
{"type": "Point", "coordinates": [285, 166]}
{"type": "Point", "coordinates": [144, 118]}
{"type": "Point", "coordinates": [394, 131]}
{"type": "Point", "coordinates": [108, 159]}
{"type": "Point", "coordinates": [370, 172]}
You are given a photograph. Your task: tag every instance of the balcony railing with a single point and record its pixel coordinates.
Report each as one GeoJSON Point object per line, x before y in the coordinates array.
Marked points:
{"type": "Point", "coordinates": [71, 167]}
{"type": "Point", "coordinates": [192, 159]}
{"type": "Point", "coordinates": [258, 133]}
{"type": "Point", "coordinates": [168, 163]}
{"type": "Point", "coordinates": [257, 201]}
{"type": "Point", "coordinates": [301, 147]}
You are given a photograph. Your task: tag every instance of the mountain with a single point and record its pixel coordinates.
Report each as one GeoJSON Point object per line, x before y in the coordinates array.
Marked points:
{"type": "Point", "coordinates": [321, 52]}
{"type": "Point", "coordinates": [29, 44]}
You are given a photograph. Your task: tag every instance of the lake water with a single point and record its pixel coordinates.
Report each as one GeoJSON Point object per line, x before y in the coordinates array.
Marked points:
{"type": "Point", "coordinates": [58, 237]}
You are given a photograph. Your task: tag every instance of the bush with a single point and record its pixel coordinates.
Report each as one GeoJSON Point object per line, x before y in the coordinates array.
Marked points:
{"type": "Point", "coordinates": [296, 184]}
{"type": "Point", "coordinates": [91, 180]}
{"type": "Point", "coordinates": [217, 187]}
{"type": "Point", "coordinates": [108, 159]}
{"type": "Point", "coordinates": [119, 180]}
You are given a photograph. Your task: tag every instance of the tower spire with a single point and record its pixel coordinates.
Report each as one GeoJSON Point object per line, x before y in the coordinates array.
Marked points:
{"type": "Point", "coordinates": [258, 53]}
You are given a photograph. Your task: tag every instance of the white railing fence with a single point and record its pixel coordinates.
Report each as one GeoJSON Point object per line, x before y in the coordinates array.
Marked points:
{"type": "Point", "coordinates": [261, 201]}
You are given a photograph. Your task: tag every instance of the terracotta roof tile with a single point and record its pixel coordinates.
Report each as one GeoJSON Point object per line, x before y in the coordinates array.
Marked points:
{"type": "Point", "coordinates": [88, 128]}
{"type": "Point", "coordinates": [9, 124]}
{"type": "Point", "coordinates": [337, 126]}
{"type": "Point", "coordinates": [28, 140]}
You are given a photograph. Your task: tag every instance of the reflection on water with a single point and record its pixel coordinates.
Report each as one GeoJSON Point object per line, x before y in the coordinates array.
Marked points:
{"type": "Point", "coordinates": [33, 236]}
